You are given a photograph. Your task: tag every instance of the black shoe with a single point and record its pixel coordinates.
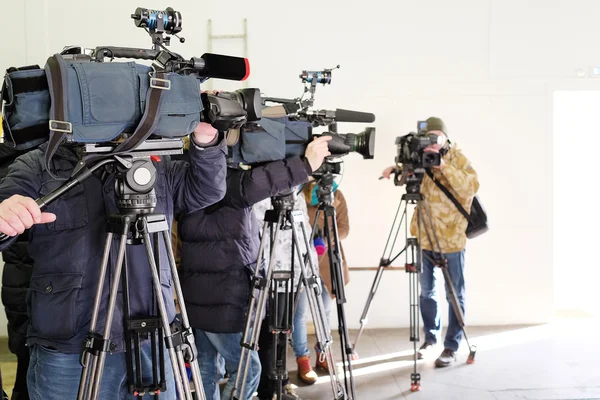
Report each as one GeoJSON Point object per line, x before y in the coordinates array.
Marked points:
{"type": "Point", "coordinates": [446, 358]}
{"type": "Point", "coordinates": [424, 350]}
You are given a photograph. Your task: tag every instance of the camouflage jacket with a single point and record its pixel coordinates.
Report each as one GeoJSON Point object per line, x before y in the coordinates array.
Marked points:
{"type": "Point", "coordinates": [459, 177]}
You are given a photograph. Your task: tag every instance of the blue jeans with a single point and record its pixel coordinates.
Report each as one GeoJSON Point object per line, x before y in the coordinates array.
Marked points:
{"type": "Point", "coordinates": [299, 338]}
{"type": "Point", "coordinates": [429, 299]}
{"type": "Point", "coordinates": [55, 376]}
{"type": "Point", "coordinates": [210, 345]}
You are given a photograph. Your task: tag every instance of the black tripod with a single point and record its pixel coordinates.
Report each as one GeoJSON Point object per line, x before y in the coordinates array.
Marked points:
{"type": "Point", "coordinates": [136, 200]}
{"type": "Point", "coordinates": [331, 238]}
{"type": "Point", "coordinates": [278, 288]}
{"type": "Point", "coordinates": [414, 266]}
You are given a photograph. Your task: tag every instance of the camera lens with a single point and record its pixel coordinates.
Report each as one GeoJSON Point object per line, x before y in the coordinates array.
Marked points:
{"type": "Point", "coordinates": [431, 160]}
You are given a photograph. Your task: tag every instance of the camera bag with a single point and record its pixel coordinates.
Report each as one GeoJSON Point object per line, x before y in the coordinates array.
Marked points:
{"type": "Point", "coordinates": [477, 218]}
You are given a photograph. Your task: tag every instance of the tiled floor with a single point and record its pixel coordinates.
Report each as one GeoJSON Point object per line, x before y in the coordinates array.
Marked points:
{"type": "Point", "coordinates": [548, 362]}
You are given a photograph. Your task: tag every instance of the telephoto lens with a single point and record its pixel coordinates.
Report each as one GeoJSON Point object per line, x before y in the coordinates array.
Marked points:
{"type": "Point", "coordinates": [362, 143]}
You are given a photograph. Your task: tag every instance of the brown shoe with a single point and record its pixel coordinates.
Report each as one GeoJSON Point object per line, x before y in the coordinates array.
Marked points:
{"type": "Point", "coordinates": [305, 371]}
{"type": "Point", "coordinates": [321, 361]}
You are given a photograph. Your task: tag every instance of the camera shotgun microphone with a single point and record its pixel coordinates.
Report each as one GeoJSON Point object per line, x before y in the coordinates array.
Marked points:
{"type": "Point", "coordinates": [222, 67]}
{"type": "Point", "coordinates": [339, 115]}
{"type": "Point", "coordinates": [342, 115]}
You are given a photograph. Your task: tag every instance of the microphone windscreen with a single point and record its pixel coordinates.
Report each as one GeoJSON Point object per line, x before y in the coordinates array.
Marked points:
{"type": "Point", "coordinates": [342, 115]}
{"type": "Point", "coordinates": [225, 67]}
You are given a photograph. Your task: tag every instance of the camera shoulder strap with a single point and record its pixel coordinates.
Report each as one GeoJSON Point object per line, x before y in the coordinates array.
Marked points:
{"type": "Point", "coordinates": [450, 196]}
{"type": "Point", "coordinates": [59, 126]}
{"type": "Point", "coordinates": [154, 98]}
{"type": "Point", "coordinates": [159, 84]}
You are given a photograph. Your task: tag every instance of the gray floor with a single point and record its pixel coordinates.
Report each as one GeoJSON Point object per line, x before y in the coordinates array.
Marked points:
{"type": "Point", "coordinates": [558, 361]}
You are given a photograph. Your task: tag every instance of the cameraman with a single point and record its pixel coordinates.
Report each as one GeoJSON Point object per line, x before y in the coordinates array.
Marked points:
{"type": "Point", "coordinates": [458, 176]}
{"type": "Point", "coordinates": [16, 276]}
{"type": "Point", "coordinates": [67, 242]}
{"type": "Point", "coordinates": [218, 257]}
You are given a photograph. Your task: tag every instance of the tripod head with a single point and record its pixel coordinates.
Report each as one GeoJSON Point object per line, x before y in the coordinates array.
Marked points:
{"type": "Point", "coordinates": [134, 186]}
{"type": "Point", "coordinates": [135, 174]}
{"type": "Point", "coordinates": [412, 178]}
{"type": "Point", "coordinates": [284, 201]}
{"type": "Point", "coordinates": [325, 189]}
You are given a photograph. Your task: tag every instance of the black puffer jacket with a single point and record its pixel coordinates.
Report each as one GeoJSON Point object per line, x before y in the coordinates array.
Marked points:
{"type": "Point", "coordinates": [220, 245]}
{"type": "Point", "coordinates": [16, 274]}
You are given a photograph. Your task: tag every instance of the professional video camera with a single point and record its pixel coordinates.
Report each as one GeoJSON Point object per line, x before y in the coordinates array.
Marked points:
{"type": "Point", "coordinates": [286, 128]}
{"type": "Point", "coordinates": [411, 148]}
{"type": "Point", "coordinates": [80, 98]}
{"type": "Point", "coordinates": [412, 157]}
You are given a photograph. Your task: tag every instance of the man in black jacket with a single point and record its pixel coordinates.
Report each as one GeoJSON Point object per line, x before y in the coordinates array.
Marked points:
{"type": "Point", "coordinates": [218, 256]}
{"type": "Point", "coordinates": [67, 242]}
{"type": "Point", "coordinates": [15, 282]}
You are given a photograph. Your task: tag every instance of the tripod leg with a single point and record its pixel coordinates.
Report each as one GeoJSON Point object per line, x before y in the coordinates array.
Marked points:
{"type": "Point", "coordinates": [256, 308]}
{"type": "Point", "coordinates": [413, 268]}
{"type": "Point", "coordinates": [337, 280]}
{"type": "Point", "coordinates": [365, 313]}
{"type": "Point", "coordinates": [176, 359]}
{"type": "Point", "coordinates": [190, 341]}
{"type": "Point", "coordinates": [458, 313]}
{"type": "Point", "coordinates": [280, 322]}
{"type": "Point", "coordinates": [86, 354]}
{"type": "Point", "coordinates": [384, 262]}
{"type": "Point", "coordinates": [97, 374]}
{"type": "Point", "coordinates": [312, 283]}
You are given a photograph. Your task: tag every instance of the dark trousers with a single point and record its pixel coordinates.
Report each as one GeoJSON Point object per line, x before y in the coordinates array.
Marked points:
{"type": "Point", "coordinates": [267, 351]}
{"type": "Point", "coordinates": [20, 391]}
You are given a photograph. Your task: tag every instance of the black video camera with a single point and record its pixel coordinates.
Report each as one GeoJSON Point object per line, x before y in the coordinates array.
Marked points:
{"type": "Point", "coordinates": [411, 149]}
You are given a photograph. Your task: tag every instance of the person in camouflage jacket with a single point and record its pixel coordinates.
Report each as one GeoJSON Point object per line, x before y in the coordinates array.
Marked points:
{"type": "Point", "coordinates": [459, 177]}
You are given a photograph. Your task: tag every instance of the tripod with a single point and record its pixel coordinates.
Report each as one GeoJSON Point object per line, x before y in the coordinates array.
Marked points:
{"type": "Point", "coordinates": [414, 267]}
{"type": "Point", "coordinates": [330, 235]}
{"type": "Point", "coordinates": [277, 287]}
{"type": "Point", "coordinates": [136, 201]}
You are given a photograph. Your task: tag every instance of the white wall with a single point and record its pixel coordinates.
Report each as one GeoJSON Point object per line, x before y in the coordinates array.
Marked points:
{"type": "Point", "coordinates": [488, 67]}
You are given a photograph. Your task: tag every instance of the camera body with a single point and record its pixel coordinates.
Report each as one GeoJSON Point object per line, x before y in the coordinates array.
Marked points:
{"type": "Point", "coordinates": [411, 149]}
{"type": "Point", "coordinates": [231, 110]}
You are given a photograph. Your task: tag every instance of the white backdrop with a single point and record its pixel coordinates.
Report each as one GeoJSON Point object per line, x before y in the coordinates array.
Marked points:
{"type": "Point", "coordinates": [487, 67]}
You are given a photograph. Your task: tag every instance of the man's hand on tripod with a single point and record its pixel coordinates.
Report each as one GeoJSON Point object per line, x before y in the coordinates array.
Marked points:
{"type": "Point", "coordinates": [18, 213]}
{"type": "Point", "coordinates": [316, 151]}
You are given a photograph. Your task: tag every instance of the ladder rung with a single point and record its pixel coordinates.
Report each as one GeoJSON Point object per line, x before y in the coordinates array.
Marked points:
{"type": "Point", "coordinates": [228, 36]}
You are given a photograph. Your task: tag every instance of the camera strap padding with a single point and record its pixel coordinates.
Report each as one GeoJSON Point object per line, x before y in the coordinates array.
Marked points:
{"type": "Point", "coordinates": [58, 124]}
